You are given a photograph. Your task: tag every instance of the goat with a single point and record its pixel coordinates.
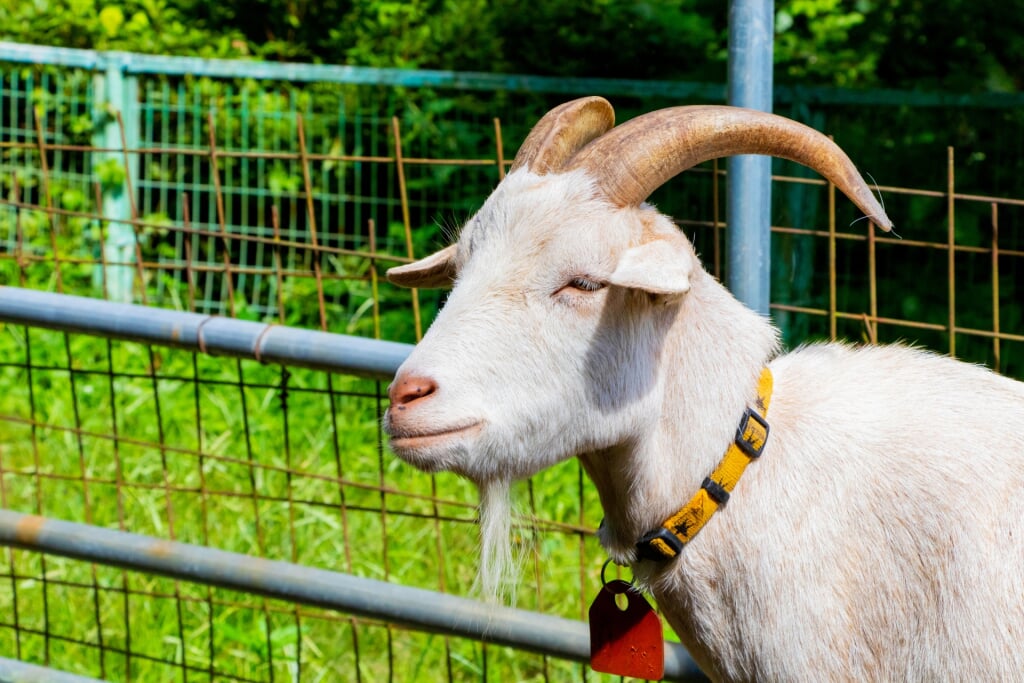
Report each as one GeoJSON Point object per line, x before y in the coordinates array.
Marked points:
{"type": "Point", "coordinates": [879, 535]}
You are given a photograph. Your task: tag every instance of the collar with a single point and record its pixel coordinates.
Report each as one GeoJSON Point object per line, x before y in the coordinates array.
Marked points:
{"type": "Point", "coordinates": [668, 540]}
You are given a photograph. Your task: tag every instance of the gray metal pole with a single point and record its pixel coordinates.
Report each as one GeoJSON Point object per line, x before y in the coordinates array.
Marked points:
{"type": "Point", "coordinates": [16, 671]}
{"type": "Point", "coordinates": [749, 201]}
{"type": "Point", "coordinates": [414, 607]}
{"type": "Point", "coordinates": [209, 334]}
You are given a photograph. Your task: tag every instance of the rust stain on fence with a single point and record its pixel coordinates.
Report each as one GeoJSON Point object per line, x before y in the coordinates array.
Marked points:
{"type": "Point", "coordinates": [28, 529]}
{"type": "Point", "coordinates": [160, 549]}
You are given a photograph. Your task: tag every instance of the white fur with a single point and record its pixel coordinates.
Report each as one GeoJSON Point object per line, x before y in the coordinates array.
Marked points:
{"type": "Point", "coordinates": [496, 579]}
{"type": "Point", "coordinates": [879, 537]}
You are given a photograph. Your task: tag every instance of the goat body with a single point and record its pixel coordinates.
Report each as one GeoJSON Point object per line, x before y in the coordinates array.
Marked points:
{"type": "Point", "coordinates": [879, 536]}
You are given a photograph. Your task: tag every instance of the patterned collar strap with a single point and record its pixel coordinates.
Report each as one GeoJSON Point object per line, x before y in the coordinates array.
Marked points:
{"type": "Point", "coordinates": [668, 540]}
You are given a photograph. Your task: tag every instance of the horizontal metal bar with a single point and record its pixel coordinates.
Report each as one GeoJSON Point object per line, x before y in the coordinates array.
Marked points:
{"type": "Point", "coordinates": [134, 63]}
{"type": "Point", "coordinates": [412, 607]}
{"type": "Point", "coordinates": [211, 334]}
{"type": "Point", "coordinates": [57, 56]}
{"type": "Point", "coordinates": [17, 671]}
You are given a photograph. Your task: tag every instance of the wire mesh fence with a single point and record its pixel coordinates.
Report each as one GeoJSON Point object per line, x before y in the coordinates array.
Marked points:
{"type": "Point", "coordinates": [239, 199]}
{"type": "Point", "coordinates": [273, 463]}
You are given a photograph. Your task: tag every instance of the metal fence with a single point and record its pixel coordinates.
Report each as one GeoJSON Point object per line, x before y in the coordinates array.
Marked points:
{"type": "Point", "coordinates": [251, 200]}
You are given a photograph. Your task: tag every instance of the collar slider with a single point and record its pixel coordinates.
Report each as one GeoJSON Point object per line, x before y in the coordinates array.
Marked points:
{"type": "Point", "coordinates": [751, 438]}
{"type": "Point", "coordinates": [660, 544]}
{"type": "Point", "coordinates": [715, 491]}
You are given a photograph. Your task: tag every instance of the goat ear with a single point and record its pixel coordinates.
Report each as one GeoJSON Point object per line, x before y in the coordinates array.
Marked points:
{"type": "Point", "coordinates": [660, 266]}
{"type": "Point", "coordinates": [434, 271]}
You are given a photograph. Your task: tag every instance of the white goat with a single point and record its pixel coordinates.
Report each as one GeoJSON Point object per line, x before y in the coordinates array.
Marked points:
{"type": "Point", "coordinates": [880, 535]}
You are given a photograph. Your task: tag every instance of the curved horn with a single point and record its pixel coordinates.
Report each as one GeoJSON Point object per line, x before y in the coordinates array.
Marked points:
{"type": "Point", "coordinates": [634, 159]}
{"type": "Point", "coordinates": [562, 132]}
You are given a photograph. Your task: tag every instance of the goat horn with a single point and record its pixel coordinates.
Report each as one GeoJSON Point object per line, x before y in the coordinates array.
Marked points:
{"type": "Point", "coordinates": [634, 159]}
{"type": "Point", "coordinates": [562, 132]}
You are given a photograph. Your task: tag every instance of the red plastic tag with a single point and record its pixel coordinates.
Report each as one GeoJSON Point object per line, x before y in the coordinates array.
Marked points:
{"type": "Point", "coordinates": [626, 642]}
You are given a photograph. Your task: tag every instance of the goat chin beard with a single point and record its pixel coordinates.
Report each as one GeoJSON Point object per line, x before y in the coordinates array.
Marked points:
{"type": "Point", "coordinates": [497, 575]}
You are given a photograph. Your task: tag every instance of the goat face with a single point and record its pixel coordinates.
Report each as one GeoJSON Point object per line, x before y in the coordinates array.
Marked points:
{"type": "Point", "coordinates": [548, 345]}
{"type": "Point", "coordinates": [565, 285]}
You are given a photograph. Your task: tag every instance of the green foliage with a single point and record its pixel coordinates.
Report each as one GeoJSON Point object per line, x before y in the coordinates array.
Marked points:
{"type": "Point", "coordinates": [813, 42]}
{"type": "Point", "coordinates": [613, 38]}
{"type": "Point", "coordinates": [440, 34]}
{"type": "Point", "coordinates": [960, 45]}
{"type": "Point", "coordinates": [151, 26]}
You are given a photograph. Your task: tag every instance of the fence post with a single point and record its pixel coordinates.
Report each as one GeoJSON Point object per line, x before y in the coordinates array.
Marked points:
{"type": "Point", "coordinates": [116, 91]}
{"type": "Point", "coordinates": [749, 201]}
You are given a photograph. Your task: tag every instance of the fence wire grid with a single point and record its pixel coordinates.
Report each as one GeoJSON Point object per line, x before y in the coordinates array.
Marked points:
{"type": "Point", "coordinates": [290, 464]}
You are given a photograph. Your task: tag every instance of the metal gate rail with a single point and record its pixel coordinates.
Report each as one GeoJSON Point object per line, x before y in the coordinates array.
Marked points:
{"type": "Point", "coordinates": [17, 671]}
{"type": "Point", "coordinates": [413, 607]}
{"type": "Point", "coordinates": [210, 334]}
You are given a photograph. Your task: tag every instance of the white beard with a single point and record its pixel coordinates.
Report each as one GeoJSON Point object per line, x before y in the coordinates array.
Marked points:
{"type": "Point", "coordinates": [497, 576]}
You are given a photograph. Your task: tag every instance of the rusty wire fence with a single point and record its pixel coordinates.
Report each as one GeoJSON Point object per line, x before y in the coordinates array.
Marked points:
{"type": "Point", "coordinates": [949, 282]}
{"type": "Point", "coordinates": [287, 463]}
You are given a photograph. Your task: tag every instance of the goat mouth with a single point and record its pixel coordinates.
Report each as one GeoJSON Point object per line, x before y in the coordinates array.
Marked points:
{"type": "Point", "coordinates": [412, 439]}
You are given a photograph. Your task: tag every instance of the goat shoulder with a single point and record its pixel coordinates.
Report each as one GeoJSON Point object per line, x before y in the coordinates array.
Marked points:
{"type": "Point", "coordinates": [880, 533]}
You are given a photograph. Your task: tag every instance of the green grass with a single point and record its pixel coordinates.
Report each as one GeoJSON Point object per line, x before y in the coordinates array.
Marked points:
{"type": "Point", "coordinates": [214, 451]}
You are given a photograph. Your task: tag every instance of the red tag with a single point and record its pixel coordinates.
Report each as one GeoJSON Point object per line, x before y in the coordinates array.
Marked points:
{"type": "Point", "coordinates": [626, 642]}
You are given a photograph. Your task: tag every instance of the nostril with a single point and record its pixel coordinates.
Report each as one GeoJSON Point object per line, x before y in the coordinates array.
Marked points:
{"type": "Point", "coordinates": [405, 390]}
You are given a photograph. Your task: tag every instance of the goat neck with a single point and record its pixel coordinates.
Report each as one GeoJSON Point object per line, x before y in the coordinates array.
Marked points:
{"type": "Point", "coordinates": [713, 354]}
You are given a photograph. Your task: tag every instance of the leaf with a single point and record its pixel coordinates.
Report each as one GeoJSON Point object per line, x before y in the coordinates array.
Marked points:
{"type": "Point", "coordinates": [81, 125]}
{"type": "Point", "coordinates": [111, 174]}
{"type": "Point", "coordinates": [336, 150]}
{"type": "Point", "coordinates": [281, 181]}
{"type": "Point", "coordinates": [111, 19]}
{"type": "Point", "coordinates": [783, 21]}
{"type": "Point", "coordinates": [138, 23]}
{"type": "Point", "coordinates": [72, 199]}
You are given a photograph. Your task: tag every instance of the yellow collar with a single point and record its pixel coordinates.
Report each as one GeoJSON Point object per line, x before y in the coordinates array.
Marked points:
{"type": "Point", "coordinates": [668, 540]}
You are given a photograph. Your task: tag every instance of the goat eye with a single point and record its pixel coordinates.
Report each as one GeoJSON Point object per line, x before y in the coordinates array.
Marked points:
{"type": "Point", "coordinates": [585, 284]}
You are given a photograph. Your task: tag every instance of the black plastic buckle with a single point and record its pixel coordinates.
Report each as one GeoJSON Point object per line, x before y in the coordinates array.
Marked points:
{"type": "Point", "coordinates": [648, 551]}
{"type": "Point", "coordinates": [741, 439]}
{"type": "Point", "coordinates": [715, 490]}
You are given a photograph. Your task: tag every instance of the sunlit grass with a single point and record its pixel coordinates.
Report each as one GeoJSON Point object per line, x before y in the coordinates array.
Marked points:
{"type": "Point", "coordinates": [254, 459]}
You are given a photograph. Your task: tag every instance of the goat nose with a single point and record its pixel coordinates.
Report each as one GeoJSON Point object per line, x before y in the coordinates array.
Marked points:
{"type": "Point", "coordinates": [405, 390]}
